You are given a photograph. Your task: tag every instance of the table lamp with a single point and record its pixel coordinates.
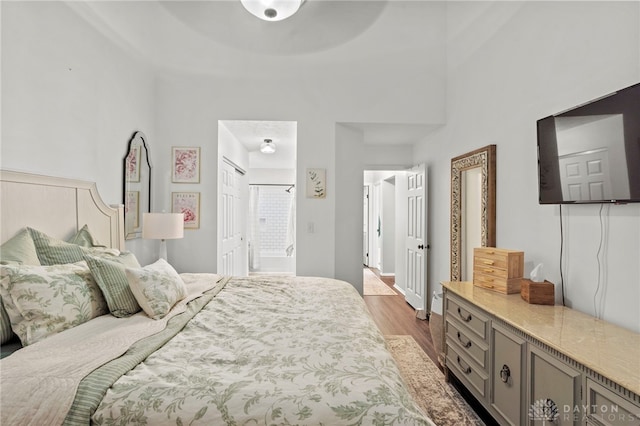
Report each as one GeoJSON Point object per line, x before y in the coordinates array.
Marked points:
{"type": "Point", "coordinates": [162, 226]}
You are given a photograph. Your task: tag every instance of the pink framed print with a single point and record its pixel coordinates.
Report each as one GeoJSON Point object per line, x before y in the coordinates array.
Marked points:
{"type": "Point", "coordinates": [132, 165]}
{"type": "Point", "coordinates": [187, 203]}
{"type": "Point", "coordinates": [185, 164]}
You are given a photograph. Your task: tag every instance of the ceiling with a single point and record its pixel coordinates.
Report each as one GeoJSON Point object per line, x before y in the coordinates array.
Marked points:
{"type": "Point", "coordinates": [350, 36]}
{"type": "Point", "coordinates": [252, 133]}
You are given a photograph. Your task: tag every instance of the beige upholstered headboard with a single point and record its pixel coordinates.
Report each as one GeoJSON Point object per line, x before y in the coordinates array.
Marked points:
{"type": "Point", "coordinates": [57, 207]}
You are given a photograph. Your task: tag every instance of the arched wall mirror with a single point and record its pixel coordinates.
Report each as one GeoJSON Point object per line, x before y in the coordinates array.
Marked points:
{"type": "Point", "coordinates": [473, 208]}
{"type": "Point", "coordinates": [137, 184]}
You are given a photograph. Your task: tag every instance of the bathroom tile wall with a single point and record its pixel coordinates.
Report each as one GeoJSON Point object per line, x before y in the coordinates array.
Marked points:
{"type": "Point", "coordinates": [273, 210]}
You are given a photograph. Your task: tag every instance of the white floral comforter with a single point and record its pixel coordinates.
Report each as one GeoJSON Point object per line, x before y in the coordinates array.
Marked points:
{"type": "Point", "coordinates": [268, 351]}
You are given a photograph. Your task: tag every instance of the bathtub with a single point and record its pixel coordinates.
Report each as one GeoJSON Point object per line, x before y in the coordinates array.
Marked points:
{"type": "Point", "coordinates": [273, 263]}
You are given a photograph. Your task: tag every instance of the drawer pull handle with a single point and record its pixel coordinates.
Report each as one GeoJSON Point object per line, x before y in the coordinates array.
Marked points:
{"type": "Point", "coordinates": [466, 344]}
{"type": "Point", "coordinates": [464, 318]}
{"type": "Point", "coordinates": [465, 370]}
{"type": "Point", "coordinates": [505, 373]}
{"type": "Point", "coordinates": [488, 262]}
{"type": "Point", "coordinates": [489, 270]}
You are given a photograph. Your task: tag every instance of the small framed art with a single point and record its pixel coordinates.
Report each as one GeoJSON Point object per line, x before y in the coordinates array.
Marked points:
{"type": "Point", "coordinates": [316, 183]}
{"type": "Point", "coordinates": [187, 203]}
{"type": "Point", "coordinates": [185, 164]}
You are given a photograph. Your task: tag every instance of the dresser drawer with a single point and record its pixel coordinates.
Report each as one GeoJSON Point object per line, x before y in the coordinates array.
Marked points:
{"type": "Point", "coordinates": [468, 344]}
{"type": "Point", "coordinates": [471, 320]}
{"type": "Point", "coordinates": [609, 409]}
{"type": "Point", "coordinates": [473, 377]}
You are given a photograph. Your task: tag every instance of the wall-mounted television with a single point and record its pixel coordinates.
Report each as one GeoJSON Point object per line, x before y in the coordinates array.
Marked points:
{"type": "Point", "coordinates": [591, 153]}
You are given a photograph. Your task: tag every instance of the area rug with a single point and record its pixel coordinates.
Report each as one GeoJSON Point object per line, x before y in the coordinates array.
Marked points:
{"type": "Point", "coordinates": [373, 286]}
{"type": "Point", "coordinates": [437, 398]}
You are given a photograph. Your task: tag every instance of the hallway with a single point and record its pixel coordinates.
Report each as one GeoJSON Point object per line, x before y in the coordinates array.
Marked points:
{"type": "Point", "coordinates": [394, 315]}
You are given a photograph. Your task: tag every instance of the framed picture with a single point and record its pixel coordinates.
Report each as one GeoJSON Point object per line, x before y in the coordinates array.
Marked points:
{"type": "Point", "coordinates": [185, 164]}
{"type": "Point", "coordinates": [132, 211]}
{"type": "Point", "coordinates": [187, 203]}
{"type": "Point", "coordinates": [316, 183]}
{"type": "Point", "coordinates": [132, 164]}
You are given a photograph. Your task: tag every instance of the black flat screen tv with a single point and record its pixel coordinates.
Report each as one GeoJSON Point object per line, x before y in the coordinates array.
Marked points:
{"type": "Point", "coordinates": [591, 153]}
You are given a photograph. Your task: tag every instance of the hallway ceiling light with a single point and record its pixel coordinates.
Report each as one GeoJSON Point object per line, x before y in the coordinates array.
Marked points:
{"type": "Point", "coordinates": [272, 10]}
{"type": "Point", "coordinates": [267, 147]}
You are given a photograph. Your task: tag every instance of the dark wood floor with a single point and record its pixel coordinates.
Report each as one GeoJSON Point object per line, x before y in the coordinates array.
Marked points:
{"type": "Point", "coordinates": [394, 315]}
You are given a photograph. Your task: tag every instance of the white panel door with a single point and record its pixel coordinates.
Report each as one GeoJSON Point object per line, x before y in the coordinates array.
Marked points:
{"type": "Point", "coordinates": [585, 176]}
{"type": "Point", "coordinates": [234, 259]}
{"type": "Point", "coordinates": [415, 240]}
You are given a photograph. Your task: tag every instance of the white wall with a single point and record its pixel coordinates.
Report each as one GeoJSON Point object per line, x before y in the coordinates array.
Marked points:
{"type": "Point", "coordinates": [71, 99]}
{"type": "Point", "coordinates": [510, 64]}
{"type": "Point", "coordinates": [348, 220]}
{"type": "Point", "coordinates": [271, 176]}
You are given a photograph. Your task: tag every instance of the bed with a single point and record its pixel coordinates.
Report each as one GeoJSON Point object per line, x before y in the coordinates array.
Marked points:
{"type": "Point", "coordinates": [195, 349]}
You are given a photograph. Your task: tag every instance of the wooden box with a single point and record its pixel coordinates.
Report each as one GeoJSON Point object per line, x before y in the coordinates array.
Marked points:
{"type": "Point", "coordinates": [538, 293]}
{"type": "Point", "coordinates": [498, 269]}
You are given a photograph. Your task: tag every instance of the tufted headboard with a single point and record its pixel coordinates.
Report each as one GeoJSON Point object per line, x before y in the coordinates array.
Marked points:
{"type": "Point", "coordinates": [57, 207]}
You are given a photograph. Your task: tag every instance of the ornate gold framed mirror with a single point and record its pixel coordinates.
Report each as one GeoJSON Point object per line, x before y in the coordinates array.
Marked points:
{"type": "Point", "coordinates": [473, 208]}
{"type": "Point", "coordinates": [137, 184]}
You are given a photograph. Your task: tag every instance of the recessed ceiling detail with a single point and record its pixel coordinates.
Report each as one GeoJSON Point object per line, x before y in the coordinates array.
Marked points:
{"type": "Point", "coordinates": [317, 26]}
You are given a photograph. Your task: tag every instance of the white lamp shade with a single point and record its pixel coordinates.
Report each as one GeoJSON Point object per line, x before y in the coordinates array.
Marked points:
{"type": "Point", "coordinates": [272, 10]}
{"type": "Point", "coordinates": [162, 226]}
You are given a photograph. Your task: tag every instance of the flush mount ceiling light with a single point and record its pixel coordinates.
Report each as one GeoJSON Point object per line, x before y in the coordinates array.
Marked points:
{"type": "Point", "coordinates": [267, 147]}
{"type": "Point", "coordinates": [272, 10]}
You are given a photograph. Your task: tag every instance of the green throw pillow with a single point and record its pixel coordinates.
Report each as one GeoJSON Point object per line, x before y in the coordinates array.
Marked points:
{"type": "Point", "coordinates": [52, 251]}
{"type": "Point", "coordinates": [19, 249]}
{"type": "Point", "coordinates": [6, 333]}
{"type": "Point", "coordinates": [109, 273]}
{"type": "Point", "coordinates": [84, 238]}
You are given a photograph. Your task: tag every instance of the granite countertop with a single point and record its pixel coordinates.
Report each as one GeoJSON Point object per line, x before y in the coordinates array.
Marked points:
{"type": "Point", "coordinates": [607, 349]}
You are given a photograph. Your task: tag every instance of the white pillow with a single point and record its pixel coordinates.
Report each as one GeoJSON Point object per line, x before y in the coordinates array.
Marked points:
{"type": "Point", "coordinates": [44, 300]}
{"type": "Point", "coordinates": [156, 287]}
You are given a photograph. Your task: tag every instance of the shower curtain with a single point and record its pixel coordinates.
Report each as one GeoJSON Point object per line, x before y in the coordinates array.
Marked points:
{"type": "Point", "coordinates": [291, 225]}
{"type": "Point", "coordinates": [254, 228]}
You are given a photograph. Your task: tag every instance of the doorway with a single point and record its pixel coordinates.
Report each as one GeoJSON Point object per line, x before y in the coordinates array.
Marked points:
{"type": "Point", "coordinates": [263, 213]}
{"type": "Point", "coordinates": [396, 230]}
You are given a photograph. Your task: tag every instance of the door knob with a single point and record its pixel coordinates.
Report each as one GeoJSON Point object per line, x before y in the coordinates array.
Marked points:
{"type": "Point", "coordinates": [421, 246]}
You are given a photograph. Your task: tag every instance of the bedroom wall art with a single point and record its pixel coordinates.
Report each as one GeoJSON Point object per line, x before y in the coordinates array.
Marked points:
{"type": "Point", "coordinates": [316, 183]}
{"type": "Point", "coordinates": [187, 203]}
{"type": "Point", "coordinates": [185, 164]}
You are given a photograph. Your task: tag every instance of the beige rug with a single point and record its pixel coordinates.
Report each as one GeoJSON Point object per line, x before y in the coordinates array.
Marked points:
{"type": "Point", "coordinates": [373, 286]}
{"type": "Point", "coordinates": [437, 398]}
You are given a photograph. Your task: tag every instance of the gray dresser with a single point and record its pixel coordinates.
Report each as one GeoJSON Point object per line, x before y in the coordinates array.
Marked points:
{"type": "Point", "coordinates": [540, 364]}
